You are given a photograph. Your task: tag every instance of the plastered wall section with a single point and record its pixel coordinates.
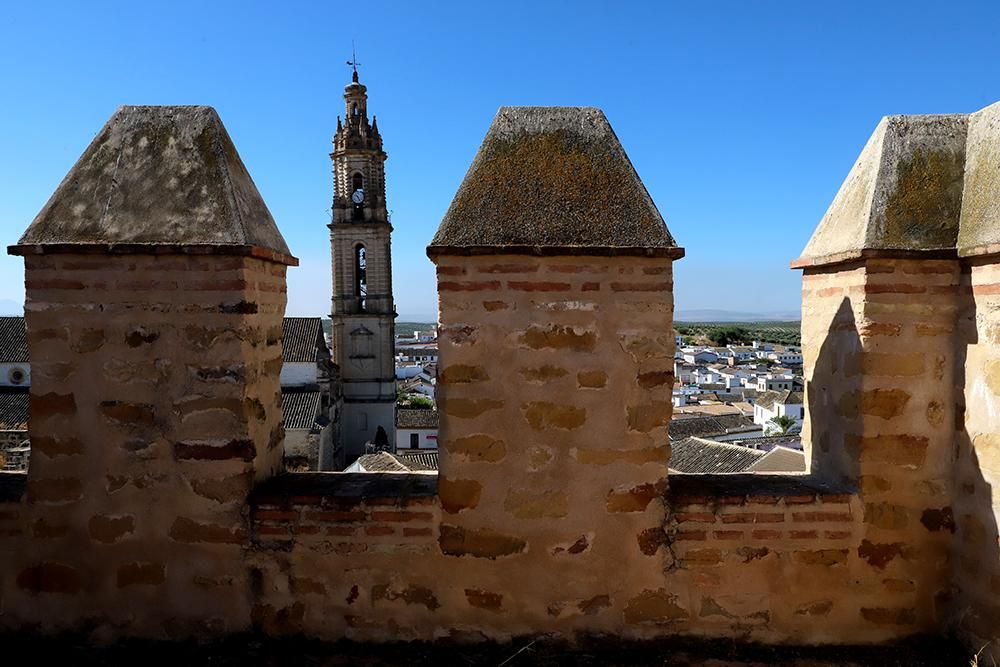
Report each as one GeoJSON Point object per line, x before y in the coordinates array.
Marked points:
{"type": "Point", "coordinates": [154, 407]}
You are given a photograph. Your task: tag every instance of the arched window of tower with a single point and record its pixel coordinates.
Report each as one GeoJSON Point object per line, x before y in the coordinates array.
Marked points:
{"type": "Point", "coordinates": [358, 182]}
{"type": "Point", "coordinates": [361, 276]}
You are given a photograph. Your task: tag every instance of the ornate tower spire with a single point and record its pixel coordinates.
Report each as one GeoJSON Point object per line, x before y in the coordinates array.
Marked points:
{"type": "Point", "coordinates": [363, 312]}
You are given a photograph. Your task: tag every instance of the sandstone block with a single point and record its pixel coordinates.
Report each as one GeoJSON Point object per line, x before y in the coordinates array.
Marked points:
{"type": "Point", "coordinates": [654, 606]}
{"type": "Point", "coordinates": [458, 494]}
{"type": "Point", "coordinates": [544, 414]}
{"type": "Point", "coordinates": [478, 447]}
{"type": "Point", "coordinates": [537, 505]}
{"type": "Point", "coordinates": [635, 499]}
{"type": "Point", "coordinates": [141, 574]}
{"type": "Point", "coordinates": [483, 543]}
{"type": "Point", "coordinates": [110, 529]}
{"type": "Point", "coordinates": [50, 578]}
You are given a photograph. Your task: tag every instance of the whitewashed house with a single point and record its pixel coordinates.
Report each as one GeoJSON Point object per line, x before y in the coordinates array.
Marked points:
{"type": "Point", "coordinates": [771, 404]}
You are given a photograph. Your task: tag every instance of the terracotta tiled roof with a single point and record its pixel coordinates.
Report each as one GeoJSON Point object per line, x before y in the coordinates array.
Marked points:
{"type": "Point", "coordinates": [13, 343]}
{"type": "Point", "coordinates": [697, 455]}
{"type": "Point", "coordinates": [300, 408]}
{"type": "Point", "coordinates": [410, 418]}
{"type": "Point", "coordinates": [13, 408]}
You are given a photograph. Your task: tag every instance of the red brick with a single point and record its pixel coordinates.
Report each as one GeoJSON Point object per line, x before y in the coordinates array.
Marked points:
{"type": "Point", "coordinates": [704, 517]}
{"type": "Point", "coordinates": [417, 532]}
{"type": "Point", "coordinates": [508, 268]}
{"type": "Point", "coordinates": [755, 517]}
{"type": "Point", "coordinates": [727, 534]}
{"type": "Point", "coordinates": [821, 516]}
{"type": "Point", "coordinates": [377, 531]}
{"type": "Point", "coordinates": [592, 287]}
{"type": "Point", "coordinates": [685, 535]}
{"type": "Point", "coordinates": [543, 286]}
{"type": "Point", "coordinates": [450, 270]}
{"type": "Point", "coordinates": [803, 534]}
{"type": "Point", "coordinates": [401, 516]}
{"type": "Point", "coordinates": [766, 534]}
{"type": "Point", "coordinates": [468, 286]}
{"type": "Point", "coordinates": [335, 516]}
{"type": "Point", "coordinates": [799, 500]}
{"type": "Point", "coordinates": [641, 287]}
{"type": "Point", "coordinates": [837, 534]}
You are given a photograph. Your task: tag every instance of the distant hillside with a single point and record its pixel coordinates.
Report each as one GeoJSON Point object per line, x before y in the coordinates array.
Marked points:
{"type": "Point", "coordinates": [715, 315]}
{"type": "Point", "coordinates": [784, 333]}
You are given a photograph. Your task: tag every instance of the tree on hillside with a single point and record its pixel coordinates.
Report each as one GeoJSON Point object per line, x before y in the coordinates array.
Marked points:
{"type": "Point", "coordinates": [724, 336]}
{"type": "Point", "coordinates": [780, 425]}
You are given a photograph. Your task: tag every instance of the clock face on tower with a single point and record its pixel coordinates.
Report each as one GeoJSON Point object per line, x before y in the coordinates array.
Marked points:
{"type": "Point", "coordinates": [358, 196]}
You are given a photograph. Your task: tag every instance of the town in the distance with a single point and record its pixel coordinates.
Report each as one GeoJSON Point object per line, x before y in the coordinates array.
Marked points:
{"type": "Point", "coordinates": [358, 388]}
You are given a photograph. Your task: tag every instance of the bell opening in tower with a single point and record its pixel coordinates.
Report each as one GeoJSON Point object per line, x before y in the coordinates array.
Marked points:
{"type": "Point", "coordinates": [361, 277]}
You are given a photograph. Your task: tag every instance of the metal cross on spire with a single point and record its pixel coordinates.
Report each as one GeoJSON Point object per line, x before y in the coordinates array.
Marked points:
{"type": "Point", "coordinates": [353, 62]}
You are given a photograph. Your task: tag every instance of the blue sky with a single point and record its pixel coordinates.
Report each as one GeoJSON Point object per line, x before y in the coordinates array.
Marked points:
{"type": "Point", "coordinates": [742, 118]}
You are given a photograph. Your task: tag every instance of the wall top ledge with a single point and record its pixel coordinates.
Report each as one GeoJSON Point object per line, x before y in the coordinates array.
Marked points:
{"type": "Point", "coordinates": [738, 489]}
{"type": "Point", "coordinates": [201, 249]}
{"type": "Point", "coordinates": [375, 487]}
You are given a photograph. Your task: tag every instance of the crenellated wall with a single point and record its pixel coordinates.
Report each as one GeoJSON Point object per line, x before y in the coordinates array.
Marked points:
{"type": "Point", "coordinates": [154, 408]}
{"type": "Point", "coordinates": [155, 505]}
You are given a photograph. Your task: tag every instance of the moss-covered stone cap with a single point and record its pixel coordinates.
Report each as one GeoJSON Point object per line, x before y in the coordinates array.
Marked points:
{"type": "Point", "coordinates": [158, 179]}
{"type": "Point", "coordinates": [552, 180]}
{"type": "Point", "coordinates": [903, 197]}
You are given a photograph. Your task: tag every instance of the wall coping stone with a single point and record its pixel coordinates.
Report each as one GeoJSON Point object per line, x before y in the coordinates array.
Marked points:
{"type": "Point", "coordinates": [257, 252]}
{"type": "Point", "coordinates": [313, 487]}
{"type": "Point", "coordinates": [874, 253]}
{"type": "Point", "coordinates": [688, 489]}
{"type": "Point", "coordinates": [675, 252]}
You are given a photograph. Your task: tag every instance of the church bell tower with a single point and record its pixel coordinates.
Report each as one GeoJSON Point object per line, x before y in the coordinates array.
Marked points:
{"type": "Point", "coordinates": [363, 314]}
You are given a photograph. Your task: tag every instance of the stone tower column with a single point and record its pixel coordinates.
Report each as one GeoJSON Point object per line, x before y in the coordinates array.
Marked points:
{"type": "Point", "coordinates": [155, 282]}
{"type": "Point", "coordinates": [363, 312]}
{"type": "Point", "coordinates": [881, 300]}
{"type": "Point", "coordinates": [556, 371]}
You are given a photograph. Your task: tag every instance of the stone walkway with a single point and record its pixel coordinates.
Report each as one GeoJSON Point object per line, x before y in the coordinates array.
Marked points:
{"type": "Point", "coordinates": [251, 651]}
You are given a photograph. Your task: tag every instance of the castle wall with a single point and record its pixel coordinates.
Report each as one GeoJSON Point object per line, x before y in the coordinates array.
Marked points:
{"type": "Point", "coordinates": [154, 408]}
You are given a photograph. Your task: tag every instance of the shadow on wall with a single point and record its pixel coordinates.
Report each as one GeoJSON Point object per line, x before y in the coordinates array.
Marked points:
{"type": "Point", "coordinates": [834, 425]}
{"type": "Point", "coordinates": [975, 569]}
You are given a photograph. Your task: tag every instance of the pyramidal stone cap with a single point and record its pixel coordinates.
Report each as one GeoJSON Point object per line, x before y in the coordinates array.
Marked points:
{"type": "Point", "coordinates": [159, 179]}
{"type": "Point", "coordinates": [552, 181]}
{"type": "Point", "coordinates": [902, 198]}
{"type": "Point", "coordinates": [979, 228]}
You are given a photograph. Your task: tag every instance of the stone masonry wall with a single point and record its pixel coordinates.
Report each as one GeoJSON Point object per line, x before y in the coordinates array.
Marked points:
{"type": "Point", "coordinates": [880, 402]}
{"type": "Point", "coordinates": [974, 609]}
{"type": "Point", "coordinates": [154, 406]}
{"type": "Point", "coordinates": [553, 511]}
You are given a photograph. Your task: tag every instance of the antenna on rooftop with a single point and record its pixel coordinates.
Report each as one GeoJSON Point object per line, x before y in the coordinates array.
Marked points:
{"type": "Point", "coordinates": [353, 62]}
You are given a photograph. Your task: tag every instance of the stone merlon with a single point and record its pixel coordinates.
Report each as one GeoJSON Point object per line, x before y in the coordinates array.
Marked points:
{"type": "Point", "coordinates": [922, 186]}
{"type": "Point", "coordinates": [552, 181]}
{"type": "Point", "coordinates": [158, 178]}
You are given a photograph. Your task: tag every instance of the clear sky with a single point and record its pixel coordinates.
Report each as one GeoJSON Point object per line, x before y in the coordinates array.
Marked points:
{"type": "Point", "coordinates": [742, 118]}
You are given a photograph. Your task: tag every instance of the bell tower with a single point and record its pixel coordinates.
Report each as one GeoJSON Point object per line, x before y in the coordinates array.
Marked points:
{"type": "Point", "coordinates": [363, 312]}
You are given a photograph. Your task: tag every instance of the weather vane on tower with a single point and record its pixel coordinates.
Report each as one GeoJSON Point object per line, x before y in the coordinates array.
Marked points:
{"type": "Point", "coordinates": [353, 62]}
